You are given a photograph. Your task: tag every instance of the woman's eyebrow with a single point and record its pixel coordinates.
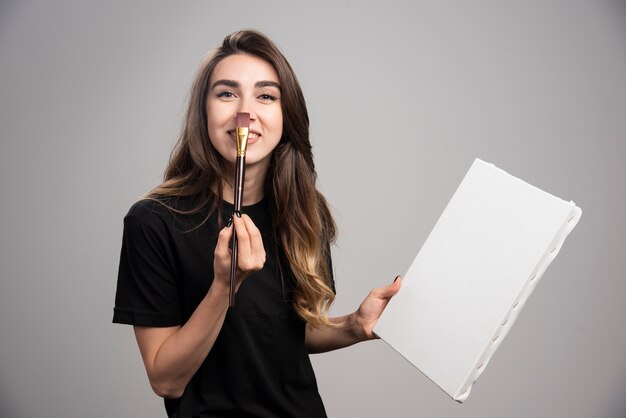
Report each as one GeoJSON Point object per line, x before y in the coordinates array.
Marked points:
{"type": "Point", "coordinates": [236, 84]}
{"type": "Point", "coordinates": [228, 83]}
{"type": "Point", "coordinates": [266, 83]}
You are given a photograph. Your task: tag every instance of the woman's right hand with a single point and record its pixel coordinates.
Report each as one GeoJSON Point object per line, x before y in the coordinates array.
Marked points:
{"type": "Point", "coordinates": [250, 251]}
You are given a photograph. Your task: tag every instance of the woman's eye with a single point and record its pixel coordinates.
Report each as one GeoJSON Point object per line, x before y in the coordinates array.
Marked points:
{"type": "Point", "coordinates": [225, 94]}
{"type": "Point", "coordinates": [267, 97]}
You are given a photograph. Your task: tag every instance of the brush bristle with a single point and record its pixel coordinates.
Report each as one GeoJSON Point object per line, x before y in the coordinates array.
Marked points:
{"type": "Point", "coordinates": [243, 120]}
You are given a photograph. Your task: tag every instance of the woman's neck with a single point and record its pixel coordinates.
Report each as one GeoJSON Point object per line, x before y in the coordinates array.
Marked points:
{"type": "Point", "coordinates": [254, 185]}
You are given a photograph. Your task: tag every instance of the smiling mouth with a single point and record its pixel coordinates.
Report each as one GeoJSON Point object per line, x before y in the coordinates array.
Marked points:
{"type": "Point", "coordinates": [252, 136]}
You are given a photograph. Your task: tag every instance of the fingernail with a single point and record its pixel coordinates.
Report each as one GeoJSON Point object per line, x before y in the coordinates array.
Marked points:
{"type": "Point", "coordinates": [397, 277]}
{"type": "Point", "coordinates": [230, 222]}
{"type": "Point", "coordinates": [238, 214]}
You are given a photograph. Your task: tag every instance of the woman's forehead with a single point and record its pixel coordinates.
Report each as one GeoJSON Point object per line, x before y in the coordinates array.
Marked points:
{"type": "Point", "coordinates": [245, 69]}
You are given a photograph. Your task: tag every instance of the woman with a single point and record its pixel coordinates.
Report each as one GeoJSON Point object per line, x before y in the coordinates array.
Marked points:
{"type": "Point", "coordinates": [253, 360]}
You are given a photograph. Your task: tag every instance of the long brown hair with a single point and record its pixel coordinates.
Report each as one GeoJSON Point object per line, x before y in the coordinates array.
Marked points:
{"type": "Point", "coordinates": [196, 169]}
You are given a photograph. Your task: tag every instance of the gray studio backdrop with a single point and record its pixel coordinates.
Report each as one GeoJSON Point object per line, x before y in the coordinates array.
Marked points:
{"type": "Point", "coordinates": [91, 99]}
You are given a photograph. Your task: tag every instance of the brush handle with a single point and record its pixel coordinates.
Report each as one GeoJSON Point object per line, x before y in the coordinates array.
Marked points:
{"type": "Point", "coordinates": [233, 269]}
{"type": "Point", "coordinates": [238, 199]}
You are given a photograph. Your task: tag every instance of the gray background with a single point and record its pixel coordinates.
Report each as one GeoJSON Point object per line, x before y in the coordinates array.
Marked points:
{"type": "Point", "coordinates": [91, 99]}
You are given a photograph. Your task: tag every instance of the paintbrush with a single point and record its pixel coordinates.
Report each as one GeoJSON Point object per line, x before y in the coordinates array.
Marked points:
{"type": "Point", "coordinates": [241, 134]}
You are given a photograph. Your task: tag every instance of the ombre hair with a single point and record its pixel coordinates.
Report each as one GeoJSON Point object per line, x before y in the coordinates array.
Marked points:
{"type": "Point", "coordinates": [197, 170]}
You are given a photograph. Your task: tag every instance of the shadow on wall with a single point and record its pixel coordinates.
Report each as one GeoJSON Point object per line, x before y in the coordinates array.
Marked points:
{"type": "Point", "coordinates": [10, 11]}
{"type": "Point", "coordinates": [7, 410]}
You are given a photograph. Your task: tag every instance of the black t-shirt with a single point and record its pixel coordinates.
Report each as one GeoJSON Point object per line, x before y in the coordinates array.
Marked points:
{"type": "Point", "coordinates": [259, 365]}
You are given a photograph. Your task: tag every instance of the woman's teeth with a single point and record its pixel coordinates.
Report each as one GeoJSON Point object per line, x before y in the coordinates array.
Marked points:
{"type": "Point", "coordinates": [251, 135]}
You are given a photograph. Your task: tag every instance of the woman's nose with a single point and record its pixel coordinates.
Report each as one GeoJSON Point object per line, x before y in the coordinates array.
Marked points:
{"type": "Point", "coordinates": [247, 106]}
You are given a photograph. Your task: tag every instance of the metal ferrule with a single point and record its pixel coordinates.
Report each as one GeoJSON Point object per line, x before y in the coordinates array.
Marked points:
{"type": "Point", "coordinates": [242, 140]}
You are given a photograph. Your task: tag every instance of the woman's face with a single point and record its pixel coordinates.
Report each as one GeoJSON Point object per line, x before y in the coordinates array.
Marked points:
{"type": "Point", "coordinates": [245, 83]}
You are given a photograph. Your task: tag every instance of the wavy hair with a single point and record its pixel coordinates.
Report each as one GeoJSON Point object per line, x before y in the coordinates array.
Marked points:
{"type": "Point", "coordinates": [196, 169]}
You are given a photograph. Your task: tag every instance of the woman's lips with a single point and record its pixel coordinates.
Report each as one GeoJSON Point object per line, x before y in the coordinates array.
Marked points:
{"type": "Point", "coordinates": [252, 137]}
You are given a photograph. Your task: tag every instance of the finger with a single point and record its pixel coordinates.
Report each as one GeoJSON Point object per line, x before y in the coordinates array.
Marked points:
{"type": "Point", "coordinates": [394, 287]}
{"type": "Point", "coordinates": [390, 290]}
{"type": "Point", "coordinates": [243, 240]}
{"type": "Point", "coordinates": [256, 240]}
{"type": "Point", "coordinates": [221, 249]}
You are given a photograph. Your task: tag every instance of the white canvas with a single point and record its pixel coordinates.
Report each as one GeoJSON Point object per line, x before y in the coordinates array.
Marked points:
{"type": "Point", "coordinates": [473, 274]}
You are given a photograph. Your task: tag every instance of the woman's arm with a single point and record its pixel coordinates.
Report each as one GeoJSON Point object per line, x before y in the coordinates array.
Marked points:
{"type": "Point", "coordinates": [172, 355]}
{"type": "Point", "coordinates": [355, 327]}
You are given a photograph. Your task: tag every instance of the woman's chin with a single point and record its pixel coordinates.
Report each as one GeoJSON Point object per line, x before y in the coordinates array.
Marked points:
{"type": "Point", "coordinates": [252, 160]}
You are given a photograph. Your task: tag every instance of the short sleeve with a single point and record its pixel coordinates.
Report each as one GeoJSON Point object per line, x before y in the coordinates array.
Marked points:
{"type": "Point", "coordinates": [147, 293]}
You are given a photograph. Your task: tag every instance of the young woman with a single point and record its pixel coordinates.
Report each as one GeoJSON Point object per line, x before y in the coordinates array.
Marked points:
{"type": "Point", "coordinates": [205, 359]}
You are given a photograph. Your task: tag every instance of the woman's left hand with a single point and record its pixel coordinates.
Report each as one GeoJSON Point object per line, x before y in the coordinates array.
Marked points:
{"type": "Point", "coordinates": [372, 307]}
{"type": "Point", "coordinates": [353, 327]}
